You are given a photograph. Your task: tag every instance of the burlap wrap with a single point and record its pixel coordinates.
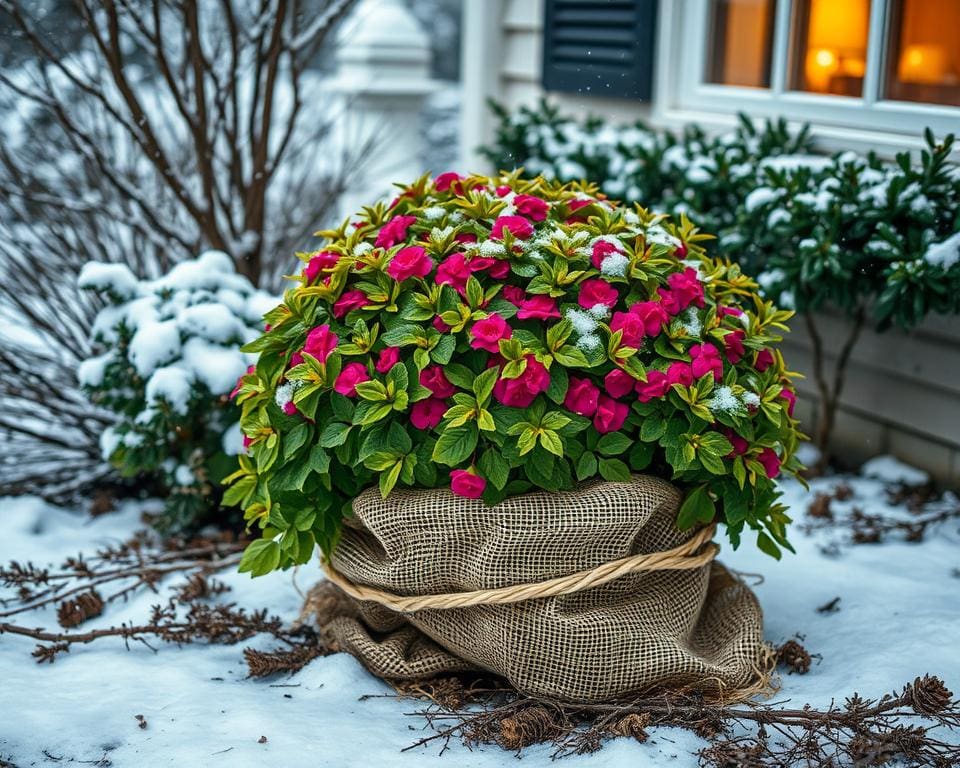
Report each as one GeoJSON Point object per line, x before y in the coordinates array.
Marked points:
{"type": "Point", "coordinates": [674, 628]}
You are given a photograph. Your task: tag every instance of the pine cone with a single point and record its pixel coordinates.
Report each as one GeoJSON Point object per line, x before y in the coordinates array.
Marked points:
{"type": "Point", "coordinates": [87, 605]}
{"type": "Point", "coordinates": [928, 695]}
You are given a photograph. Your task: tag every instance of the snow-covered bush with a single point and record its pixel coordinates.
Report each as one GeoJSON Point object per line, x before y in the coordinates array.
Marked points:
{"type": "Point", "coordinates": [169, 358]}
{"type": "Point", "coordinates": [879, 242]}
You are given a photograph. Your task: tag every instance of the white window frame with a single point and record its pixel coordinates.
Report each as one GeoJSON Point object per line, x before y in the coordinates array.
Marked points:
{"type": "Point", "coordinates": [872, 122]}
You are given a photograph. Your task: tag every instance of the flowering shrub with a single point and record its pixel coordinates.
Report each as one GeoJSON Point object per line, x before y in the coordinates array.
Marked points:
{"type": "Point", "coordinates": [500, 335]}
{"type": "Point", "coordinates": [172, 356]}
{"type": "Point", "coordinates": [879, 242]}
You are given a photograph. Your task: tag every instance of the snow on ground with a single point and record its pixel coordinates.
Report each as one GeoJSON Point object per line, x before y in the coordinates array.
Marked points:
{"type": "Point", "coordinates": [897, 619]}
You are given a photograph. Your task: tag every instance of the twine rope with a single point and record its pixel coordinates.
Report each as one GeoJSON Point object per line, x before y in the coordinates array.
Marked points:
{"type": "Point", "coordinates": [692, 554]}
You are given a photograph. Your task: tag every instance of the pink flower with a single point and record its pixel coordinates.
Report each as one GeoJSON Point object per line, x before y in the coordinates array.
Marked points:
{"type": "Point", "coordinates": [631, 324]}
{"type": "Point", "coordinates": [531, 207]}
{"type": "Point", "coordinates": [320, 342]}
{"type": "Point", "coordinates": [236, 389]}
{"type": "Point", "coordinates": [669, 302]}
{"type": "Point", "coordinates": [444, 181]}
{"type": "Point", "coordinates": [319, 262]}
{"type": "Point", "coordinates": [498, 268]}
{"type": "Point", "coordinates": [602, 249]}
{"type": "Point", "coordinates": [610, 414]}
{"type": "Point", "coordinates": [467, 484]}
{"type": "Point", "coordinates": [411, 261]}
{"type": "Point", "coordinates": [581, 397]}
{"type": "Point", "coordinates": [575, 205]}
{"type": "Point", "coordinates": [764, 360]}
{"type": "Point", "coordinates": [596, 291]}
{"type": "Point", "coordinates": [619, 383]}
{"type": "Point", "coordinates": [453, 271]}
{"type": "Point", "coordinates": [522, 391]}
{"type": "Point", "coordinates": [725, 311]}
{"type": "Point", "coordinates": [514, 294]}
{"type": "Point", "coordinates": [290, 408]}
{"type": "Point", "coordinates": [388, 357]}
{"type": "Point", "coordinates": [351, 375]}
{"type": "Point", "coordinates": [247, 442]}
{"type": "Point", "coordinates": [433, 378]}
{"type": "Point", "coordinates": [791, 397]}
{"type": "Point", "coordinates": [394, 231]}
{"type": "Point", "coordinates": [733, 343]}
{"type": "Point", "coordinates": [770, 461]}
{"type": "Point", "coordinates": [488, 332]}
{"type": "Point", "coordinates": [680, 372]}
{"type": "Point", "coordinates": [705, 359]}
{"type": "Point", "coordinates": [680, 251]}
{"type": "Point", "coordinates": [653, 315]}
{"type": "Point", "coordinates": [656, 386]}
{"type": "Point", "coordinates": [440, 325]}
{"type": "Point", "coordinates": [538, 307]}
{"type": "Point", "coordinates": [426, 414]}
{"type": "Point", "coordinates": [686, 288]}
{"type": "Point", "coordinates": [518, 226]}
{"type": "Point", "coordinates": [465, 237]}
{"type": "Point", "coordinates": [295, 359]}
{"type": "Point", "coordinates": [740, 445]}
{"type": "Point", "coordinates": [503, 190]}
{"type": "Point", "coordinates": [348, 301]}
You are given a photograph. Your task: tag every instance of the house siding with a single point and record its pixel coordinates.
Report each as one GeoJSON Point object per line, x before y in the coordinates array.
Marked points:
{"type": "Point", "coordinates": [902, 392]}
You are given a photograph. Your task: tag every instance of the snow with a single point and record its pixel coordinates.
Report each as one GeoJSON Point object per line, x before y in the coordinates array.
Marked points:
{"type": "Point", "coordinates": [944, 254]}
{"type": "Point", "coordinates": [171, 385]}
{"type": "Point", "coordinates": [759, 197]}
{"type": "Point", "coordinates": [113, 278]}
{"type": "Point", "coordinates": [90, 373]}
{"type": "Point", "coordinates": [232, 441]}
{"type": "Point", "coordinates": [216, 367]}
{"type": "Point", "coordinates": [890, 469]}
{"type": "Point", "coordinates": [153, 345]}
{"type": "Point", "coordinates": [897, 614]}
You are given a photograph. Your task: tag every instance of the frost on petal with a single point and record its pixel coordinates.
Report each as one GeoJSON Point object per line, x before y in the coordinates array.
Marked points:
{"type": "Point", "coordinates": [589, 342]}
{"type": "Point", "coordinates": [615, 265]}
{"type": "Point", "coordinates": [582, 322]}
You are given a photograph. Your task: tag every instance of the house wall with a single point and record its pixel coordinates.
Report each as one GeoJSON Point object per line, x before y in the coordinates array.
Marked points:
{"type": "Point", "coordinates": [902, 393]}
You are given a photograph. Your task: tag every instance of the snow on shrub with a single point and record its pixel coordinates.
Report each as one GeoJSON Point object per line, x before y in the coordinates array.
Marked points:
{"type": "Point", "coordinates": [169, 358]}
{"type": "Point", "coordinates": [500, 335]}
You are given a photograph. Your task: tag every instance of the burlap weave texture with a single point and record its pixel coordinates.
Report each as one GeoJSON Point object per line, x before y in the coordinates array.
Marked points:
{"type": "Point", "coordinates": [697, 627]}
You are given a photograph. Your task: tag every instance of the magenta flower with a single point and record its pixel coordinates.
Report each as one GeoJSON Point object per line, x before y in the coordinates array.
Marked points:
{"type": "Point", "coordinates": [290, 408]}
{"type": "Point", "coordinates": [602, 249]}
{"type": "Point", "coordinates": [680, 372]}
{"type": "Point", "coordinates": [531, 207]}
{"type": "Point", "coordinates": [686, 288]}
{"type": "Point", "coordinates": [433, 378]}
{"type": "Point", "coordinates": [791, 397]}
{"type": "Point", "coordinates": [706, 359]}
{"type": "Point", "coordinates": [319, 262]}
{"type": "Point", "coordinates": [770, 461]}
{"type": "Point", "coordinates": [467, 484]}
{"type": "Point", "coordinates": [351, 375]}
{"type": "Point", "coordinates": [518, 226]}
{"type": "Point", "coordinates": [394, 231]}
{"type": "Point", "coordinates": [411, 261]}
{"type": "Point", "coordinates": [631, 324]}
{"type": "Point", "coordinates": [455, 272]}
{"type": "Point", "coordinates": [348, 301]}
{"type": "Point", "coordinates": [610, 415]}
{"type": "Point", "coordinates": [321, 341]}
{"type": "Point", "coordinates": [503, 190]}
{"type": "Point", "coordinates": [764, 360]}
{"type": "Point", "coordinates": [514, 294]}
{"type": "Point", "coordinates": [582, 397]}
{"type": "Point", "coordinates": [522, 391]}
{"type": "Point", "coordinates": [388, 357]}
{"type": "Point", "coordinates": [487, 333]}
{"type": "Point", "coordinates": [444, 181]}
{"type": "Point", "coordinates": [619, 383]}
{"type": "Point", "coordinates": [596, 291]}
{"type": "Point", "coordinates": [538, 307]}
{"type": "Point", "coordinates": [653, 315]}
{"type": "Point", "coordinates": [426, 414]}
{"type": "Point", "coordinates": [655, 387]}
{"type": "Point", "coordinates": [733, 344]}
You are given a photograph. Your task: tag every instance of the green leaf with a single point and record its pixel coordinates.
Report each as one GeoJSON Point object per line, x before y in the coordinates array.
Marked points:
{"type": "Point", "coordinates": [494, 467]}
{"type": "Point", "coordinates": [234, 495]}
{"type": "Point", "coordinates": [403, 335]}
{"type": "Point", "coordinates": [460, 376]}
{"type": "Point", "coordinates": [455, 444]}
{"type": "Point", "coordinates": [552, 442]}
{"type": "Point", "coordinates": [334, 434]}
{"type": "Point", "coordinates": [571, 357]}
{"type": "Point", "coordinates": [614, 470]}
{"type": "Point", "coordinates": [444, 350]}
{"type": "Point", "coordinates": [614, 444]}
{"type": "Point", "coordinates": [587, 466]}
{"type": "Point", "coordinates": [388, 479]}
{"type": "Point", "coordinates": [295, 439]}
{"type": "Point", "coordinates": [640, 456]}
{"type": "Point", "coordinates": [653, 428]}
{"type": "Point", "coordinates": [483, 385]}
{"type": "Point", "coordinates": [697, 507]}
{"type": "Point", "coordinates": [559, 383]}
{"type": "Point", "coordinates": [766, 545]}
{"type": "Point", "coordinates": [260, 557]}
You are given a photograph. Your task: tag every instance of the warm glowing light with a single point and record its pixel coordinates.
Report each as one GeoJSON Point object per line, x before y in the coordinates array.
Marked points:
{"type": "Point", "coordinates": [834, 40]}
{"type": "Point", "coordinates": [825, 59]}
{"type": "Point", "coordinates": [923, 63]}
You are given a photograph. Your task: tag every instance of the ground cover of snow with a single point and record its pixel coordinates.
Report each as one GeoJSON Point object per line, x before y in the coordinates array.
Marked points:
{"type": "Point", "coordinates": [897, 618]}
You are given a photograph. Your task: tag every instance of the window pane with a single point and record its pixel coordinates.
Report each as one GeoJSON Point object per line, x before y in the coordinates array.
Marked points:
{"type": "Point", "coordinates": [741, 36]}
{"type": "Point", "coordinates": [829, 49]}
{"type": "Point", "coordinates": [923, 52]}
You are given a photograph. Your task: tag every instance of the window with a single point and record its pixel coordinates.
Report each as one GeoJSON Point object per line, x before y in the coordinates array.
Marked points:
{"type": "Point", "coordinates": [888, 66]}
{"type": "Point", "coordinates": [741, 44]}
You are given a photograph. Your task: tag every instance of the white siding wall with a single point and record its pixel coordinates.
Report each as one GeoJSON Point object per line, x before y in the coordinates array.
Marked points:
{"type": "Point", "coordinates": [902, 392]}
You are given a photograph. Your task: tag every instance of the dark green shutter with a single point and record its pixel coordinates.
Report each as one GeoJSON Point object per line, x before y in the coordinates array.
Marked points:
{"type": "Point", "coordinates": [600, 47]}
